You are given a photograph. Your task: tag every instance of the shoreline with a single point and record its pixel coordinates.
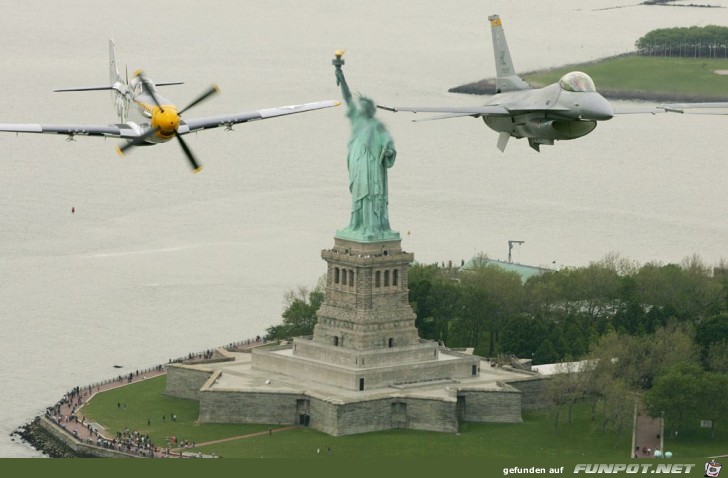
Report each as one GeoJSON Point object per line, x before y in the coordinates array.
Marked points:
{"type": "Point", "coordinates": [58, 433]}
{"type": "Point", "coordinates": [35, 436]}
{"type": "Point", "coordinates": [486, 86]}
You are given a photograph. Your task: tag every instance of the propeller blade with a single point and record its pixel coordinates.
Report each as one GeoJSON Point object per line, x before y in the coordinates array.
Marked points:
{"type": "Point", "coordinates": [145, 84]}
{"type": "Point", "coordinates": [191, 157]}
{"type": "Point", "coordinates": [141, 139]}
{"type": "Point", "coordinates": [209, 92]}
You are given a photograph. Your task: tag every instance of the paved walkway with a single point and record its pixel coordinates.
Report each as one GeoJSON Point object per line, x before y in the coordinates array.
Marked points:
{"type": "Point", "coordinates": [647, 435]}
{"type": "Point", "coordinates": [68, 412]}
{"type": "Point", "coordinates": [239, 437]}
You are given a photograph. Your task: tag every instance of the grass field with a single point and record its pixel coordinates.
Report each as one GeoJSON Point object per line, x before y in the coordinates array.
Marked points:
{"type": "Point", "coordinates": [645, 76]}
{"type": "Point", "coordinates": [132, 406]}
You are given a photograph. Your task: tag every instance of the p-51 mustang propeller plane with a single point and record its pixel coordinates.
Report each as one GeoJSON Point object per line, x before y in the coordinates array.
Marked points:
{"type": "Point", "coordinates": [154, 119]}
{"type": "Point", "coordinates": [565, 110]}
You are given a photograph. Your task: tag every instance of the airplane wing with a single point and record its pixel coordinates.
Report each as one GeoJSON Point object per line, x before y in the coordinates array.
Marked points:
{"type": "Point", "coordinates": [125, 131]}
{"type": "Point", "coordinates": [197, 124]}
{"type": "Point", "coordinates": [110, 87]}
{"type": "Point", "coordinates": [639, 111]}
{"type": "Point", "coordinates": [674, 108]}
{"type": "Point", "coordinates": [445, 116]}
{"type": "Point", "coordinates": [452, 111]}
{"type": "Point", "coordinates": [110, 130]}
{"type": "Point", "coordinates": [681, 107]}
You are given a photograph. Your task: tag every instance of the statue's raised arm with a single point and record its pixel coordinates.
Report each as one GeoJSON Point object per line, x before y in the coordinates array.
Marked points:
{"type": "Point", "coordinates": [338, 62]}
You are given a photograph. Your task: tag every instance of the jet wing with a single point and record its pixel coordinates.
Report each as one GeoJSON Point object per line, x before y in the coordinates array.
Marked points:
{"type": "Point", "coordinates": [452, 111]}
{"type": "Point", "coordinates": [197, 124]}
{"type": "Point", "coordinates": [111, 130]}
{"type": "Point", "coordinates": [439, 117]}
{"type": "Point", "coordinates": [638, 111]}
{"type": "Point", "coordinates": [681, 107]}
{"type": "Point", "coordinates": [674, 108]}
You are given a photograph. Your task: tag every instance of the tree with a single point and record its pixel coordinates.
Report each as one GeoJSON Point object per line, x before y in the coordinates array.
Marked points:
{"type": "Point", "coordinates": [490, 297]}
{"type": "Point", "coordinates": [687, 392]}
{"type": "Point", "coordinates": [711, 335]}
{"type": "Point", "coordinates": [565, 388]}
{"type": "Point", "coordinates": [714, 398]}
{"type": "Point", "coordinates": [299, 317]}
{"type": "Point", "coordinates": [522, 336]}
{"type": "Point", "coordinates": [594, 289]}
{"type": "Point", "coordinates": [670, 345]}
{"type": "Point", "coordinates": [717, 359]}
{"type": "Point", "coordinates": [638, 360]}
{"type": "Point", "coordinates": [618, 408]}
{"type": "Point", "coordinates": [575, 338]}
{"type": "Point", "coordinates": [435, 298]}
{"type": "Point", "coordinates": [676, 393]}
{"type": "Point", "coordinates": [546, 352]}
{"type": "Point", "coordinates": [580, 300]}
{"type": "Point", "coordinates": [543, 297]}
{"type": "Point", "coordinates": [618, 264]}
{"type": "Point", "coordinates": [687, 292]}
{"type": "Point", "coordinates": [631, 316]}
{"type": "Point", "coordinates": [694, 41]}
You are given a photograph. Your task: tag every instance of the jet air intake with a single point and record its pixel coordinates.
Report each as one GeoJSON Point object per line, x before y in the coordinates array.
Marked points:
{"type": "Point", "coordinates": [573, 129]}
{"type": "Point", "coordinates": [540, 128]}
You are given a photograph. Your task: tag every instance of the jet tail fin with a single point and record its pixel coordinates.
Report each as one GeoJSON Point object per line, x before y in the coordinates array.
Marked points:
{"type": "Point", "coordinates": [506, 78]}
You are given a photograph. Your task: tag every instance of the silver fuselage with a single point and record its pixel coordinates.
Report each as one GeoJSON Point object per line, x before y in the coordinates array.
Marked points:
{"type": "Point", "coordinates": [550, 113]}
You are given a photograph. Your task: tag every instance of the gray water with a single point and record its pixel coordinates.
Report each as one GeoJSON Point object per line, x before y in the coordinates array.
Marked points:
{"type": "Point", "coordinates": [157, 262]}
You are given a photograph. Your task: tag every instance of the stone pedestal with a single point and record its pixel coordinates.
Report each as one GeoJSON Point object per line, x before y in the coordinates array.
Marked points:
{"type": "Point", "coordinates": [365, 336]}
{"type": "Point", "coordinates": [363, 369]}
{"type": "Point", "coordinates": [367, 305]}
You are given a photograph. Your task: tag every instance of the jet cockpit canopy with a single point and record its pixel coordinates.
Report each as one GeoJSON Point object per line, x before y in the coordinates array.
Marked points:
{"type": "Point", "coordinates": [577, 81]}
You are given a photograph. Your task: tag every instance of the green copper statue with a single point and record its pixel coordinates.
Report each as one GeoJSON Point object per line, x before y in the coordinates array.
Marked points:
{"type": "Point", "coordinates": [371, 153]}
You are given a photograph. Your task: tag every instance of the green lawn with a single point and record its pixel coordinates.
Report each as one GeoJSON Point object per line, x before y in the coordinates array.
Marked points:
{"type": "Point", "coordinates": [583, 439]}
{"type": "Point", "coordinates": [476, 440]}
{"type": "Point", "coordinates": [144, 401]}
{"type": "Point", "coordinates": [672, 76]}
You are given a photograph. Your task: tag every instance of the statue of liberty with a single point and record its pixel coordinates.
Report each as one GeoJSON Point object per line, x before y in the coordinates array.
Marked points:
{"type": "Point", "coordinates": [371, 153]}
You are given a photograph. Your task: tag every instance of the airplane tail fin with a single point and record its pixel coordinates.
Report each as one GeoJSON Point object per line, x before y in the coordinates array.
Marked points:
{"type": "Point", "coordinates": [114, 75]}
{"type": "Point", "coordinates": [506, 78]}
{"type": "Point", "coordinates": [120, 94]}
{"type": "Point", "coordinates": [119, 85]}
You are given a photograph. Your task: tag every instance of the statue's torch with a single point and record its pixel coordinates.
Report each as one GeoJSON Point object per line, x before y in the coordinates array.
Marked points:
{"type": "Point", "coordinates": [338, 62]}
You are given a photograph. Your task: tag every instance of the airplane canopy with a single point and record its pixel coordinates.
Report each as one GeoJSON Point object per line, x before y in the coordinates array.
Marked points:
{"type": "Point", "coordinates": [577, 81]}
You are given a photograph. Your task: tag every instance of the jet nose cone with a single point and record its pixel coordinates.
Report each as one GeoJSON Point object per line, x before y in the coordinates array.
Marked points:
{"type": "Point", "coordinates": [598, 109]}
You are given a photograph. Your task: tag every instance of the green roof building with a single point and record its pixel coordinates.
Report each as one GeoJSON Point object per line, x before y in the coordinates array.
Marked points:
{"type": "Point", "coordinates": [526, 272]}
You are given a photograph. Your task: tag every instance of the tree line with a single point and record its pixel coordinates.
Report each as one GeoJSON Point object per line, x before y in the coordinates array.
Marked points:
{"type": "Point", "coordinates": [710, 41]}
{"type": "Point", "coordinates": [558, 315]}
{"type": "Point", "coordinates": [623, 331]}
